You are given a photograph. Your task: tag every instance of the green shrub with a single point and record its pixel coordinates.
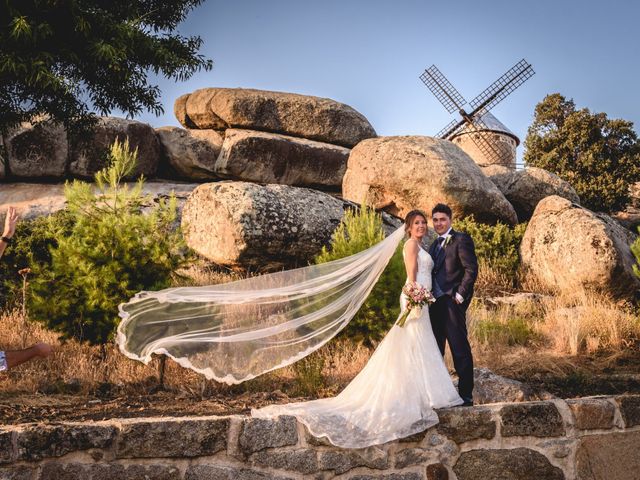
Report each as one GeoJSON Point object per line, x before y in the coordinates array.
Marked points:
{"type": "Point", "coordinates": [30, 247]}
{"type": "Point", "coordinates": [496, 245]}
{"type": "Point", "coordinates": [358, 231]}
{"type": "Point", "coordinates": [112, 252]}
{"type": "Point", "coordinates": [635, 249]}
{"type": "Point", "coordinates": [309, 376]}
{"type": "Point", "coordinates": [513, 331]}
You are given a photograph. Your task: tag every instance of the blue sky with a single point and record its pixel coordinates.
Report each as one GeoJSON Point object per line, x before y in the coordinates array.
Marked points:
{"type": "Point", "coordinates": [369, 55]}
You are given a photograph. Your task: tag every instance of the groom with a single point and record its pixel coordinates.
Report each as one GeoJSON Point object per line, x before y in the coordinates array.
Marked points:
{"type": "Point", "coordinates": [454, 273]}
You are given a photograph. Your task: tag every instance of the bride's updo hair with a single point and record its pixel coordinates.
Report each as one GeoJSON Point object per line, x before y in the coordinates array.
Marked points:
{"type": "Point", "coordinates": [408, 220]}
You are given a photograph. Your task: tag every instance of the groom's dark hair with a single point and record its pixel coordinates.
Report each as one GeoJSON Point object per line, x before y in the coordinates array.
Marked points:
{"type": "Point", "coordinates": [442, 208]}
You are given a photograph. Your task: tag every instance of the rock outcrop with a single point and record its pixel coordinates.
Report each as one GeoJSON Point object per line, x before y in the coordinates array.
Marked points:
{"type": "Point", "coordinates": [273, 158]}
{"type": "Point", "coordinates": [37, 151]}
{"type": "Point", "coordinates": [190, 154]}
{"type": "Point", "coordinates": [525, 188]}
{"type": "Point", "coordinates": [315, 118]}
{"type": "Point", "coordinates": [568, 247]}
{"type": "Point", "coordinates": [271, 137]}
{"type": "Point", "coordinates": [399, 174]}
{"type": "Point", "coordinates": [88, 153]}
{"type": "Point", "coordinates": [492, 388]}
{"type": "Point", "coordinates": [33, 200]}
{"type": "Point", "coordinates": [242, 224]}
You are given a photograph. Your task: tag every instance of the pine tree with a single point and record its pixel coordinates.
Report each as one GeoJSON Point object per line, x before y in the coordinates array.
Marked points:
{"type": "Point", "coordinates": [358, 231]}
{"type": "Point", "coordinates": [115, 249]}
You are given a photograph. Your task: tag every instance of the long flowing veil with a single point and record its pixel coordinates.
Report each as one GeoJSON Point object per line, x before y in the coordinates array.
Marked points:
{"type": "Point", "coordinates": [236, 331]}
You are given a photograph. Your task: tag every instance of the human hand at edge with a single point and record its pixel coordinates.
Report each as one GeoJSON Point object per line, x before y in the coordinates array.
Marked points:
{"type": "Point", "coordinates": [10, 221]}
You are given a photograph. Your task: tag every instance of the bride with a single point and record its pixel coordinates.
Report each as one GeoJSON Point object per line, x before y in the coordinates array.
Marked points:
{"type": "Point", "coordinates": [405, 379]}
{"type": "Point", "coordinates": [234, 332]}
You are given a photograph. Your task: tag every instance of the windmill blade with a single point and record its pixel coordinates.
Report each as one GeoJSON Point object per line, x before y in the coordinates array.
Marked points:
{"type": "Point", "coordinates": [442, 89]}
{"type": "Point", "coordinates": [501, 88]}
{"type": "Point", "coordinates": [494, 152]}
{"type": "Point", "coordinates": [453, 127]}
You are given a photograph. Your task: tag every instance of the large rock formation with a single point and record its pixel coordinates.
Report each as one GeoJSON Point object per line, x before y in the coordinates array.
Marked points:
{"type": "Point", "coordinates": [180, 111]}
{"type": "Point", "coordinates": [88, 153]}
{"type": "Point", "coordinates": [273, 158]}
{"type": "Point", "coordinates": [568, 247]}
{"type": "Point", "coordinates": [265, 227]}
{"type": "Point", "coordinates": [190, 154]}
{"type": "Point", "coordinates": [492, 388]}
{"type": "Point", "coordinates": [37, 151]}
{"type": "Point", "coordinates": [274, 137]}
{"type": "Point", "coordinates": [33, 200]}
{"type": "Point", "coordinates": [399, 174]}
{"type": "Point", "coordinates": [304, 116]}
{"type": "Point", "coordinates": [525, 188]}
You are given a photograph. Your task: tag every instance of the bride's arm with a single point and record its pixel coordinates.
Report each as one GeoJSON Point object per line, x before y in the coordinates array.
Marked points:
{"type": "Point", "coordinates": [411, 249]}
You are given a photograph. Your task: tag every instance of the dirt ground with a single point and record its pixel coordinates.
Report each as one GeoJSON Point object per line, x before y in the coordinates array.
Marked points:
{"type": "Point", "coordinates": [573, 377]}
{"type": "Point", "coordinates": [17, 409]}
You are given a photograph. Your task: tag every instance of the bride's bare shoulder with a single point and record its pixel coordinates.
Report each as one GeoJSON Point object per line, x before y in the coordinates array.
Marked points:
{"type": "Point", "coordinates": [411, 246]}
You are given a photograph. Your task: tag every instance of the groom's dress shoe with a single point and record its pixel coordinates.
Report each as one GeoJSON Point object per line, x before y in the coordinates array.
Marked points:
{"type": "Point", "coordinates": [467, 404]}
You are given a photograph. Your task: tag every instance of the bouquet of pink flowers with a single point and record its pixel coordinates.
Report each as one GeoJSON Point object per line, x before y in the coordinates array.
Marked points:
{"type": "Point", "coordinates": [417, 297]}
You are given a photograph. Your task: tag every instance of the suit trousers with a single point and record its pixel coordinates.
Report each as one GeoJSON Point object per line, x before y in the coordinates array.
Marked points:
{"type": "Point", "coordinates": [449, 324]}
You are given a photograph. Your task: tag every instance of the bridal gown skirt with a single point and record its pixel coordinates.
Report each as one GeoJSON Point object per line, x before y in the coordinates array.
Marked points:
{"type": "Point", "coordinates": [392, 397]}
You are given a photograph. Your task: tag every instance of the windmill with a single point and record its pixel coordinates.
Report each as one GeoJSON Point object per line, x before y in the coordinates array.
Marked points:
{"type": "Point", "coordinates": [494, 143]}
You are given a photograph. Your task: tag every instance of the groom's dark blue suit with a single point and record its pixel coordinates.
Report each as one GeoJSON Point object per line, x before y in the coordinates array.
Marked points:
{"type": "Point", "coordinates": [455, 271]}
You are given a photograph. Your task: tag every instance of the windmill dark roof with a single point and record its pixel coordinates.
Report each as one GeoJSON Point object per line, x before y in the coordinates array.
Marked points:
{"type": "Point", "coordinates": [493, 125]}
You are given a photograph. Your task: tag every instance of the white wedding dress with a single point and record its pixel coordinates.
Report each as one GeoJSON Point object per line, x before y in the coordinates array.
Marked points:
{"type": "Point", "coordinates": [395, 393]}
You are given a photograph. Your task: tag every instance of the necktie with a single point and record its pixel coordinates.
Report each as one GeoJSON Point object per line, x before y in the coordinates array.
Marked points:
{"type": "Point", "coordinates": [440, 242]}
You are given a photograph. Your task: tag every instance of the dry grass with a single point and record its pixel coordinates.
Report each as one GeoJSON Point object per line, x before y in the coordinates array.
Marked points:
{"type": "Point", "coordinates": [493, 282]}
{"type": "Point", "coordinates": [555, 330]}
{"type": "Point", "coordinates": [205, 274]}
{"type": "Point", "coordinates": [84, 369]}
{"type": "Point", "coordinates": [80, 368]}
{"type": "Point", "coordinates": [527, 339]}
{"type": "Point", "coordinates": [558, 327]}
{"type": "Point", "coordinates": [530, 283]}
{"type": "Point", "coordinates": [71, 363]}
{"type": "Point", "coordinates": [584, 323]}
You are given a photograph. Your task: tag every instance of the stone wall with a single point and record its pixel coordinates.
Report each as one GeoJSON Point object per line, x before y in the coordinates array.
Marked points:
{"type": "Point", "coordinates": [586, 439]}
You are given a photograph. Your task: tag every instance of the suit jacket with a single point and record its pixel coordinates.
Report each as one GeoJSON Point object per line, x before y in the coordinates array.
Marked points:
{"type": "Point", "coordinates": [456, 266]}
